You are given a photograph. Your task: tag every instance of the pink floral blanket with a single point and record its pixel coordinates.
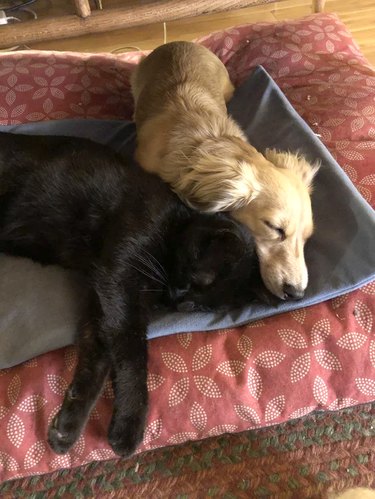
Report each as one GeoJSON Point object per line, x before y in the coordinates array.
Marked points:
{"type": "Point", "coordinates": [202, 384]}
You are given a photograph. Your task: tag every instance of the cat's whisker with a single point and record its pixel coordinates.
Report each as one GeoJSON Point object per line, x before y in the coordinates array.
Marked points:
{"type": "Point", "coordinates": [151, 267]}
{"type": "Point", "coordinates": [152, 272]}
{"type": "Point", "coordinates": [162, 269]}
{"type": "Point", "coordinates": [150, 276]}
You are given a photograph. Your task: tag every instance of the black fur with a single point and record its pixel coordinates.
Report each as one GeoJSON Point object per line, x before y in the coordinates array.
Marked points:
{"type": "Point", "coordinates": [77, 204]}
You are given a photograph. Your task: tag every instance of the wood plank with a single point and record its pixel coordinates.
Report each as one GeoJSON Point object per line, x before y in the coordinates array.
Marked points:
{"type": "Point", "coordinates": [358, 16]}
{"type": "Point", "coordinates": [189, 29]}
{"type": "Point", "coordinates": [142, 37]}
{"type": "Point", "coordinates": [129, 15]}
{"type": "Point", "coordinates": [150, 36]}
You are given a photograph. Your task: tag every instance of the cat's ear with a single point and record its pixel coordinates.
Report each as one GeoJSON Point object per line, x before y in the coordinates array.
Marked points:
{"type": "Point", "coordinates": [229, 234]}
{"type": "Point", "coordinates": [217, 240]}
{"type": "Point", "coordinates": [230, 240]}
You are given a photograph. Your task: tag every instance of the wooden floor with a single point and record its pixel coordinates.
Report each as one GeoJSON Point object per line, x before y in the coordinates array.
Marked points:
{"type": "Point", "coordinates": [358, 15]}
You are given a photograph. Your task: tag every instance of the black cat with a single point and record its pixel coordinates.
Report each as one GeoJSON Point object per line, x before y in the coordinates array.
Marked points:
{"type": "Point", "coordinates": [76, 203]}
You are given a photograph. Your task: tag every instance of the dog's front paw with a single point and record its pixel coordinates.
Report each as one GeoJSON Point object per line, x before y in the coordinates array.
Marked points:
{"type": "Point", "coordinates": [126, 434]}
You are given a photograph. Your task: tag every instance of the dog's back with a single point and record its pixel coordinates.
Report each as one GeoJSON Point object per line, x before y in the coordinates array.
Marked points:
{"type": "Point", "coordinates": [178, 64]}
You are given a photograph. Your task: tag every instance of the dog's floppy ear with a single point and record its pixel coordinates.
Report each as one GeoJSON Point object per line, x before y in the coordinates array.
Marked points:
{"type": "Point", "coordinates": [294, 161]}
{"type": "Point", "coordinates": [217, 184]}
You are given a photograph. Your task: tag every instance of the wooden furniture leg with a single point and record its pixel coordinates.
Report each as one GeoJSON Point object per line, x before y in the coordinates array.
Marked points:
{"type": "Point", "coordinates": [318, 5]}
{"type": "Point", "coordinates": [82, 8]}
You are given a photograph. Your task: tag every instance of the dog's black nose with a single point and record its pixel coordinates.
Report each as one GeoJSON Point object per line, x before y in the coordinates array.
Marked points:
{"type": "Point", "coordinates": [292, 293]}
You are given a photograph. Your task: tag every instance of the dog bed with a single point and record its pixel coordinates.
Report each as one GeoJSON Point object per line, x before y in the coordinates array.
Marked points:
{"type": "Point", "coordinates": [203, 384]}
{"type": "Point", "coordinates": [335, 266]}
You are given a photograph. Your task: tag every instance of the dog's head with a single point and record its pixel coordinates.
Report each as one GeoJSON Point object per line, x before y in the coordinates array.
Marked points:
{"type": "Point", "coordinates": [280, 218]}
{"type": "Point", "coordinates": [269, 193]}
{"type": "Point", "coordinates": [213, 266]}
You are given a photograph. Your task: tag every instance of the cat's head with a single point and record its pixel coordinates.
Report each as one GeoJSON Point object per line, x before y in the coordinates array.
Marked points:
{"type": "Point", "coordinates": [213, 266]}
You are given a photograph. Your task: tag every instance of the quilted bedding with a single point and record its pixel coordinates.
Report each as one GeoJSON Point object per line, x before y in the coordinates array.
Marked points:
{"type": "Point", "coordinates": [207, 383]}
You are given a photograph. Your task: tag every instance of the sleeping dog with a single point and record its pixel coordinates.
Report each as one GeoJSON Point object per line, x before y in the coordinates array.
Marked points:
{"type": "Point", "coordinates": [186, 136]}
{"type": "Point", "coordinates": [137, 246]}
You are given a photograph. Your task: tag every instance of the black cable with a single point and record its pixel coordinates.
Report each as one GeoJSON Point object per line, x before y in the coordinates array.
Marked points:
{"type": "Point", "coordinates": [19, 5]}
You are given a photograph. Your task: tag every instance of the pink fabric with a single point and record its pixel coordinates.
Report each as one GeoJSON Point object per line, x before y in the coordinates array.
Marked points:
{"type": "Point", "coordinates": [205, 384]}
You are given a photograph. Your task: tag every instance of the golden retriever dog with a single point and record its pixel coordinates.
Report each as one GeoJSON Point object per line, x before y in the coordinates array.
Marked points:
{"type": "Point", "coordinates": [187, 138]}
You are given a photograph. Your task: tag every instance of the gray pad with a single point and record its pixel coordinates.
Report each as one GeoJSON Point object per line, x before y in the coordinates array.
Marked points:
{"type": "Point", "coordinates": [39, 306]}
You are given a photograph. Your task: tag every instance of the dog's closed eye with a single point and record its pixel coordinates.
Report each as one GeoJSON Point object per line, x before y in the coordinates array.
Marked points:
{"type": "Point", "coordinates": [280, 231]}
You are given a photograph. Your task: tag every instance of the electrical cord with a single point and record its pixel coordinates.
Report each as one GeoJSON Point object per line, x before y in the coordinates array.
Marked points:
{"type": "Point", "coordinates": [20, 5]}
{"type": "Point", "coordinates": [128, 48]}
{"type": "Point", "coordinates": [9, 14]}
{"type": "Point", "coordinates": [29, 11]}
{"type": "Point", "coordinates": [6, 17]}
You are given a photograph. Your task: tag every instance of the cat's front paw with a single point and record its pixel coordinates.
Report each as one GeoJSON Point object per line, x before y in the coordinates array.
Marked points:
{"type": "Point", "coordinates": [126, 434]}
{"type": "Point", "coordinates": [61, 434]}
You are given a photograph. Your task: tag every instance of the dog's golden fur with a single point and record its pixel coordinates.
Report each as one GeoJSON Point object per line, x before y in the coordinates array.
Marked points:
{"type": "Point", "coordinates": [186, 137]}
